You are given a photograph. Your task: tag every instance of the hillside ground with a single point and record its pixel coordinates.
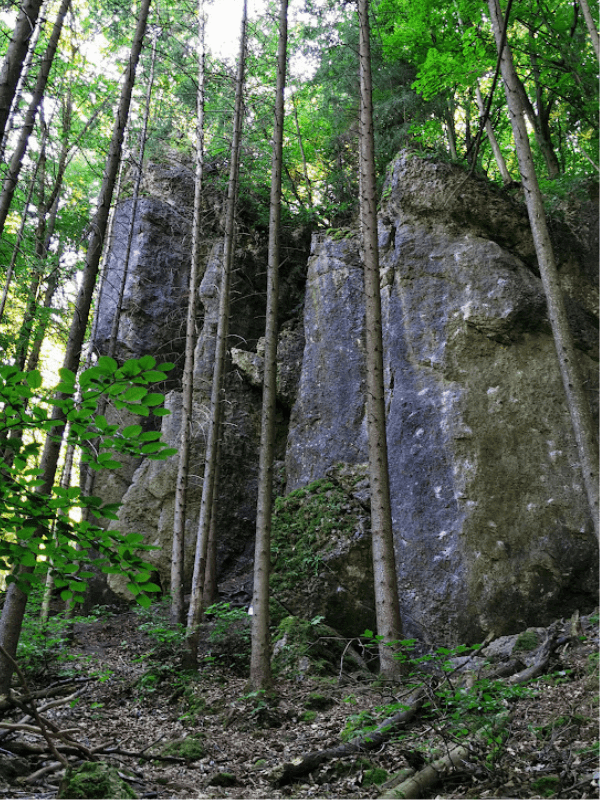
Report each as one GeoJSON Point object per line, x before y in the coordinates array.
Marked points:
{"type": "Point", "coordinates": [176, 734]}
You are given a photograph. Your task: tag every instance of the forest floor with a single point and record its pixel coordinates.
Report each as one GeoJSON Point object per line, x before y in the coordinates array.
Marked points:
{"type": "Point", "coordinates": [224, 741]}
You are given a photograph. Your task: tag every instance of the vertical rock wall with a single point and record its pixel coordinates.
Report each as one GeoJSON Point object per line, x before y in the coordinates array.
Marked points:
{"type": "Point", "coordinates": [491, 525]}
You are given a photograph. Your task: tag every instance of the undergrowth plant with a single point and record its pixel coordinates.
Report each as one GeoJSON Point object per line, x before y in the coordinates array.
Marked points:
{"type": "Point", "coordinates": [455, 711]}
{"type": "Point", "coordinates": [44, 646]}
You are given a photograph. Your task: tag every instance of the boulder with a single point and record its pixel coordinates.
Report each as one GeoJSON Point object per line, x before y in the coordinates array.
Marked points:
{"type": "Point", "coordinates": [491, 523]}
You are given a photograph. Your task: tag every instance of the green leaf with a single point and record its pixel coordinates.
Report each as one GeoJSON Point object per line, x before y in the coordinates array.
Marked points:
{"type": "Point", "coordinates": [132, 431]}
{"type": "Point", "coordinates": [147, 362]}
{"type": "Point", "coordinates": [66, 376]}
{"type": "Point", "coordinates": [143, 600]}
{"type": "Point", "coordinates": [152, 447]}
{"type": "Point", "coordinates": [161, 412]}
{"type": "Point", "coordinates": [153, 375]}
{"type": "Point", "coordinates": [107, 364]}
{"type": "Point", "coordinates": [150, 436]}
{"type": "Point", "coordinates": [154, 399]}
{"type": "Point", "coordinates": [34, 379]}
{"type": "Point", "coordinates": [134, 393]}
{"type": "Point", "coordinates": [166, 367]}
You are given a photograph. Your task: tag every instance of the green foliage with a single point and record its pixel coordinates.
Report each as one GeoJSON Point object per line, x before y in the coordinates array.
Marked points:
{"type": "Point", "coordinates": [375, 776]}
{"type": "Point", "coordinates": [304, 522]}
{"type": "Point", "coordinates": [229, 639]}
{"type": "Point", "coordinates": [94, 779]}
{"type": "Point", "coordinates": [547, 785]}
{"type": "Point", "coordinates": [528, 640]}
{"type": "Point", "coordinates": [191, 748]}
{"type": "Point", "coordinates": [458, 710]}
{"type": "Point", "coordinates": [40, 529]}
{"type": "Point", "coordinates": [44, 646]}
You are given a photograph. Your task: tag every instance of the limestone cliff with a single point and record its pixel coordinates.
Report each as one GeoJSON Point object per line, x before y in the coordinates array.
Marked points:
{"type": "Point", "coordinates": [491, 525]}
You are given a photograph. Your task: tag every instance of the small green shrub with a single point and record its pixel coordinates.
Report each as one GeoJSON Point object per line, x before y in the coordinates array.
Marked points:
{"type": "Point", "coordinates": [308, 716]}
{"type": "Point", "coordinates": [229, 639]}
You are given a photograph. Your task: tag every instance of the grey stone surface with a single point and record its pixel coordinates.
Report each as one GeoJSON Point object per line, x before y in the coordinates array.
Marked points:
{"type": "Point", "coordinates": [153, 315]}
{"type": "Point", "coordinates": [491, 525]}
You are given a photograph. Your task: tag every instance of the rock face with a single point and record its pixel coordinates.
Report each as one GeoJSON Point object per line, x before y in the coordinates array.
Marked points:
{"type": "Point", "coordinates": [491, 526]}
{"type": "Point", "coordinates": [155, 297]}
{"type": "Point", "coordinates": [490, 519]}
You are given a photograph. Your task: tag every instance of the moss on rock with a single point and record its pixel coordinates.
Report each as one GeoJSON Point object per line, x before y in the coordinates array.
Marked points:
{"type": "Point", "coordinates": [94, 779]}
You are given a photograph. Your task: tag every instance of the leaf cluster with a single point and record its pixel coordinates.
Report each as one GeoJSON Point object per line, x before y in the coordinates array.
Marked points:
{"type": "Point", "coordinates": [40, 528]}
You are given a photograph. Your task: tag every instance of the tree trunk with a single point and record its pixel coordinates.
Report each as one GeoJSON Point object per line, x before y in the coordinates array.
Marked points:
{"type": "Point", "coordinates": [15, 56]}
{"type": "Point", "coordinates": [384, 566]}
{"type": "Point", "coordinates": [16, 161]}
{"type": "Point", "coordinates": [577, 401]}
{"type": "Point", "coordinates": [17, 247]}
{"type": "Point", "coordinates": [15, 602]}
{"type": "Point", "coordinates": [301, 144]}
{"type": "Point", "coordinates": [187, 389]}
{"type": "Point", "coordinates": [489, 130]}
{"type": "Point", "coordinates": [260, 658]}
{"type": "Point", "coordinates": [33, 40]}
{"type": "Point", "coordinates": [591, 26]}
{"type": "Point", "coordinates": [212, 439]}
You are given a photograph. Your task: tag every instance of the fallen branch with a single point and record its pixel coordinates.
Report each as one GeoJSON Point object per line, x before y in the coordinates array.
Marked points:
{"type": "Point", "coordinates": [8, 702]}
{"type": "Point", "coordinates": [418, 785]}
{"type": "Point", "coordinates": [290, 770]}
{"type": "Point", "coordinates": [38, 719]}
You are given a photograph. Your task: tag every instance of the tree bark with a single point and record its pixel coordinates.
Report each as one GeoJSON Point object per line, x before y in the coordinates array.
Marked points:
{"type": "Point", "coordinates": [16, 161]}
{"type": "Point", "coordinates": [489, 130]}
{"type": "Point", "coordinates": [212, 441]}
{"type": "Point", "coordinates": [387, 608]}
{"type": "Point", "coordinates": [260, 657]}
{"type": "Point", "coordinates": [15, 56]}
{"type": "Point", "coordinates": [591, 26]}
{"type": "Point", "coordinates": [187, 389]}
{"type": "Point", "coordinates": [577, 401]}
{"type": "Point", "coordinates": [15, 602]}
{"type": "Point", "coordinates": [21, 231]}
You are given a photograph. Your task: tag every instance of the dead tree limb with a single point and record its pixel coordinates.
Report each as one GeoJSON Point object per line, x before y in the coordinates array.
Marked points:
{"type": "Point", "coordinates": [291, 770]}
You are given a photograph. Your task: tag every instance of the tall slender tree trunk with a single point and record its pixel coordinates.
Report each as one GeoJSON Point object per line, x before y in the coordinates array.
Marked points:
{"type": "Point", "coordinates": [16, 600]}
{"type": "Point", "coordinates": [387, 606]}
{"type": "Point", "coordinates": [577, 401]}
{"type": "Point", "coordinates": [301, 144]}
{"type": "Point", "coordinates": [21, 231]}
{"type": "Point", "coordinates": [489, 130]}
{"type": "Point", "coordinates": [591, 26]}
{"type": "Point", "coordinates": [187, 390]}
{"type": "Point", "coordinates": [212, 440]}
{"type": "Point", "coordinates": [15, 56]}
{"type": "Point", "coordinates": [16, 161]}
{"type": "Point", "coordinates": [260, 657]}
{"type": "Point", "coordinates": [33, 40]}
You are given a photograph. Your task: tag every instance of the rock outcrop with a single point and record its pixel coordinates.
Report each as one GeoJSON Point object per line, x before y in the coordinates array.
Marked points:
{"type": "Point", "coordinates": [491, 525]}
